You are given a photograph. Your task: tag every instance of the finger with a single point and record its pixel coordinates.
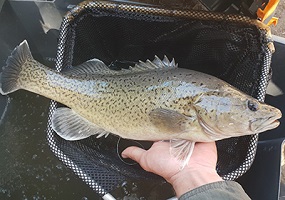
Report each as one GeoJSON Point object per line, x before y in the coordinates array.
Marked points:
{"type": "Point", "coordinates": [134, 153]}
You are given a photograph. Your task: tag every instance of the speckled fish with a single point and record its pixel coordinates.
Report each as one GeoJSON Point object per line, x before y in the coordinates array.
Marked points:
{"type": "Point", "coordinates": [154, 100]}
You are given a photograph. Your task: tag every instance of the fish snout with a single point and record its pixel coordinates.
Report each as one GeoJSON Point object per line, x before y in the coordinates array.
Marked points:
{"type": "Point", "coordinates": [261, 125]}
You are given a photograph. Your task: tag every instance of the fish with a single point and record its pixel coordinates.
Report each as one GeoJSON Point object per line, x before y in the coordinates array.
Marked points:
{"type": "Point", "coordinates": [152, 100]}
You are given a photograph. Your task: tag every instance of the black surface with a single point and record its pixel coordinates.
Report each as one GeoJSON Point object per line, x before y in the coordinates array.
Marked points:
{"type": "Point", "coordinates": [278, 77]}
{"type": "Point", "coordinates": [261, 182]}
{"type": "Point", "coordinates": [28, 169]}
{"type": "Point", "coordinates": [263, 179]}
{"type": "Point", "coordinates": [244, 7]}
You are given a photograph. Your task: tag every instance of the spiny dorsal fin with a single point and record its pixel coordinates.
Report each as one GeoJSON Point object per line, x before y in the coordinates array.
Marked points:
{"type": "Point", "coordinates": [71, 126]}
{"type": "Point", "coordinates": [157, 63]}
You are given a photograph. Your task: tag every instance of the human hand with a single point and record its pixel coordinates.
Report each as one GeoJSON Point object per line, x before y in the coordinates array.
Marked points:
{"type": "Point", "coordinates": [200, 170]}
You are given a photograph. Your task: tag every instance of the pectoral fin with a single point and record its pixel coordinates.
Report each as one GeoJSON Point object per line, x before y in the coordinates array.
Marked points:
{"type": "Point", "coordinates": [182, 150]}
{"type": "Point", "coordinates": [71, 126]}
{"type": "Point", "coordinates": [169, 121]}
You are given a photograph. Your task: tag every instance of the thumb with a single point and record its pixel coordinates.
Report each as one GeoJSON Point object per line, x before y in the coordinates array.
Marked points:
{"type": "Point", "coordinates": [134, 153]}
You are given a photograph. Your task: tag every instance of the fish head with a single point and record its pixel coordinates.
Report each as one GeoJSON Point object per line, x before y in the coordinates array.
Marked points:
{"type": "Point", "coordinates": [231, 113]}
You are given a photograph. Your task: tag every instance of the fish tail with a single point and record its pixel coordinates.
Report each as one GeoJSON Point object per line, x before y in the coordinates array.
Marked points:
{"type": "Point", "coordinates": [14, 65]}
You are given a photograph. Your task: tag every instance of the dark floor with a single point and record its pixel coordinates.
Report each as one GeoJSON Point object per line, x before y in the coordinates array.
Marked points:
{"type": "Point", "coordinates": [279, 29]}
{"type": "Point", "coordinates": [261, 181]}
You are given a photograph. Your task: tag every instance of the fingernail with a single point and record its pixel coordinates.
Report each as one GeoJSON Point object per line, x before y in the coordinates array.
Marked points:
{"type": "Point", "coordinates": [124, 156]}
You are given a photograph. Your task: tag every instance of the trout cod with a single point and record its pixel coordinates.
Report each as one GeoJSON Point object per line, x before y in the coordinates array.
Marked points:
{"type": "Point", "coordinates": [153, 100]}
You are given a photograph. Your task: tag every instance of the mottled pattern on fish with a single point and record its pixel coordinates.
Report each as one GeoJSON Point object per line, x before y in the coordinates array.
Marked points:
{"type": "Point", "coordinates": [154, 100]}
{"type": "Point", "coordinates": [118, 103]}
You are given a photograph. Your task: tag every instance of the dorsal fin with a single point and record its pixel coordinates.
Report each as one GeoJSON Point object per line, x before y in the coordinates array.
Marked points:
{"type": "Point", "coordinates": [157, 63]}
{"type": "Point", "coordinates": [90, 67]}
{"type": "Point", "coordinates": [97, 67]}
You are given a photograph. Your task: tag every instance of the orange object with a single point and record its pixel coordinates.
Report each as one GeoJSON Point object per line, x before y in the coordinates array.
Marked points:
{"type": "Point", "coordinates": [268, 10]}
{"type": "Point", "coordinates": [273, 20]}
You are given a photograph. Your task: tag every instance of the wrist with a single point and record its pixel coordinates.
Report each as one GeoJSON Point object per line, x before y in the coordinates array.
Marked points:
{"type": "Point", "coordinates": [185, 181]}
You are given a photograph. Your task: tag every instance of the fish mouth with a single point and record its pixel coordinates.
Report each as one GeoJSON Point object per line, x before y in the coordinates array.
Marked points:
{"type": "Point", "coordinates": [268, 124]}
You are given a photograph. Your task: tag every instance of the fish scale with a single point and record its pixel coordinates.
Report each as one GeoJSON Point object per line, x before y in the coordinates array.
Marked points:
{"type": "Point", "coordinates": [153, 100]}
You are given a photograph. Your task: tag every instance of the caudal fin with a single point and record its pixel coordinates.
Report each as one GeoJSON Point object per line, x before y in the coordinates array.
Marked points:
{"type": "Point", "coordinates": [10, 74]}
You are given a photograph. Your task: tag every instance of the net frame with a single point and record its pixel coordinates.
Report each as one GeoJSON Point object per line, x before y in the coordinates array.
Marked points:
{"type": "Point", "coordinates": [64, 58]}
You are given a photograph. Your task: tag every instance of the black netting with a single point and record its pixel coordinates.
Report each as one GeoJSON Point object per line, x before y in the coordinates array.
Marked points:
{"type": "Point", "coordinates": [233, 49]}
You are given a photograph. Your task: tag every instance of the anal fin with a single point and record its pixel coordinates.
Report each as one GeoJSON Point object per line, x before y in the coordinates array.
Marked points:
{"type": "Point", "coordinates": [71, 126]}
{"type": "Point", "coordinates": [182, 150]}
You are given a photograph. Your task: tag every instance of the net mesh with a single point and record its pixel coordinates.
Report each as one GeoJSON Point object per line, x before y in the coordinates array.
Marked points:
{"type": "Point", "coordinates": [233, 48]}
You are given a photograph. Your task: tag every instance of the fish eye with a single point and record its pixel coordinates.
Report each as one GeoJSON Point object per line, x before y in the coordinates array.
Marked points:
{"type": "Point", "coordinates": [253, 106]}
